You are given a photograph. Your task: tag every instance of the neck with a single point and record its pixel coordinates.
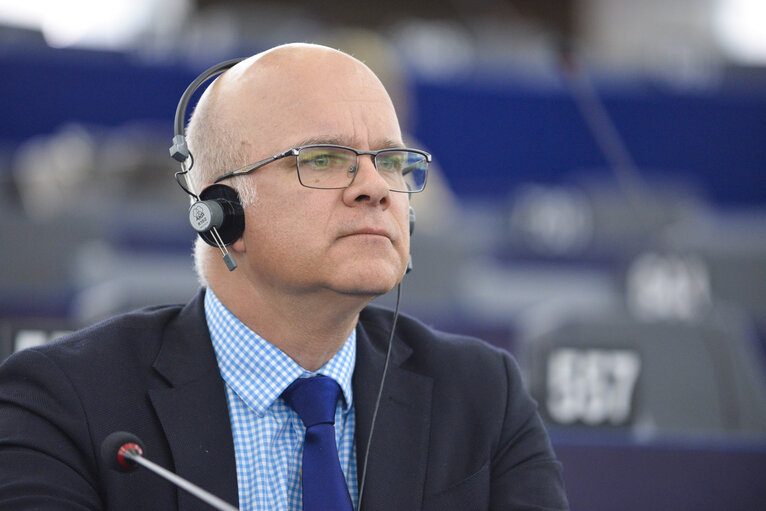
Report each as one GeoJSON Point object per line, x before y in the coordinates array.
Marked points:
{"type": "Point", "coordinates": [309, 328]}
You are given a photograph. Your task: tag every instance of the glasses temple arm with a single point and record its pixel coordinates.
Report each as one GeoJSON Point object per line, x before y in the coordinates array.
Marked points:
{"type": "Point", "coordinates": [249, 169]}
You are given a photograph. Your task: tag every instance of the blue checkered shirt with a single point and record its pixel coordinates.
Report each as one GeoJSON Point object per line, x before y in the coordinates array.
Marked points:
{"type": "Point", "coordinates": [268, 435]}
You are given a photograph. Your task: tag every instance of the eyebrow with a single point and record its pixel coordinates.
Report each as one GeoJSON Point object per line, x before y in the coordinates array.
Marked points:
{"type": "Point", "coordinates": [387, 143]}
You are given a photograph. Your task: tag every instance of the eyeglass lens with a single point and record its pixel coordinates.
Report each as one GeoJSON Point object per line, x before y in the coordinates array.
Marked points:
{"type": "Point", "coordinates": [335, 167]}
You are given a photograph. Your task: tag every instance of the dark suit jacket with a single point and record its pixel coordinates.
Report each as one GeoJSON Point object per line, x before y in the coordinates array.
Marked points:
{"type": "Point", "coordinates": [455, 430]}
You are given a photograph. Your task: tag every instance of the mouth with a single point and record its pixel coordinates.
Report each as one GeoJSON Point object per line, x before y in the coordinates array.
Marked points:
{"type": "Point", "coordinates": [368, 232]}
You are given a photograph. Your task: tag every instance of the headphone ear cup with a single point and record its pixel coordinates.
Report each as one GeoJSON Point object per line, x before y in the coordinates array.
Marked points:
{"type": "Point", "coordinates": [232, 225]}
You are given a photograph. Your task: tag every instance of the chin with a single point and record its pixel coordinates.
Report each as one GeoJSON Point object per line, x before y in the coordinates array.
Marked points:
{"type": "Point", "coordinates": [372, 289]}
{"type": "Point", "coordinates": [370, 281]}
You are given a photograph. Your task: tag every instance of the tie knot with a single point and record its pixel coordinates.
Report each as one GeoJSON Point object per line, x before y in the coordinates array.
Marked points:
{"type": "Point", "coordinates": [313, 399]}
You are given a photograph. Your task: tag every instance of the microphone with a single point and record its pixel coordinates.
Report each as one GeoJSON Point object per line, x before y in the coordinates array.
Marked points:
{"type": "Point", "coordinates": [122, 451]}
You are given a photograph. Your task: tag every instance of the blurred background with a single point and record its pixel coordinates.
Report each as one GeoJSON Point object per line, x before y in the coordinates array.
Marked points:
{"type": "Point", "coordinates": [597, 206]}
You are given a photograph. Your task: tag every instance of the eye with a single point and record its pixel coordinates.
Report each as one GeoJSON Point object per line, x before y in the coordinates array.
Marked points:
{"type": "Point", "coordinates": [320, 161]}
{"type": "Point", "coordinates": [324, 159]}
{"type": "Point", "coordinates": [389, 162]}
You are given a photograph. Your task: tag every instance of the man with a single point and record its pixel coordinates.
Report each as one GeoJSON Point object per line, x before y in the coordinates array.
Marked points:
{"type": "Point", "coordinates": [207, 386]}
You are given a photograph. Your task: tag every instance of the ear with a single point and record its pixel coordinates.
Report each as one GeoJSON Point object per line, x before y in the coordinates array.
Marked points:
{"type": "Point", "coordinates": [239, 246]}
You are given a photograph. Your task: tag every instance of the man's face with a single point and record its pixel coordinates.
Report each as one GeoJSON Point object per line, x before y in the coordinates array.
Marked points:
{"type": "Point", "coordinates": [298, 239]}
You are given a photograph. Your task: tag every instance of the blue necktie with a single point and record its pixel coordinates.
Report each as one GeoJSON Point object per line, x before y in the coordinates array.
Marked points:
{"type": "Point", "coordinates": [314, 400]}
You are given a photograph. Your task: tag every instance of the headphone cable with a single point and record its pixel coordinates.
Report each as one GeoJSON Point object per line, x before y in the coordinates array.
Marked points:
{"type": "Point", "coordinates": [380, 394]}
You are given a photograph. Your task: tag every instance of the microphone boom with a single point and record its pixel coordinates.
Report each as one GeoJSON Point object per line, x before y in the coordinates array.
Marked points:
{"type": "Point", "coordinates": [122, 451]}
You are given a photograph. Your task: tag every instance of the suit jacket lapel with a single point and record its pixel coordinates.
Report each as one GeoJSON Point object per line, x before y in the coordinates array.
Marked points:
{"type": "Point", "coordinates": [193, 410]}
{"type": "Point", "coordinates": [398, 453]}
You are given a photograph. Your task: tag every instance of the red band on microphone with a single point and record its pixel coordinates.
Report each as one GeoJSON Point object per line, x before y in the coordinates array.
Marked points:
{"type": "Point", "coordinates": [125, 448]}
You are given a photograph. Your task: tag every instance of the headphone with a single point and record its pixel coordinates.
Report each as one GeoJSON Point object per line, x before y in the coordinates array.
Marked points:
{"type": "Point", "coordinates": [217, 213]}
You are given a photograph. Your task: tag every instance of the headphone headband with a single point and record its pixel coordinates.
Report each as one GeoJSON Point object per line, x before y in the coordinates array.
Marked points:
{"type": "Point", "coordinates": [179, 151]}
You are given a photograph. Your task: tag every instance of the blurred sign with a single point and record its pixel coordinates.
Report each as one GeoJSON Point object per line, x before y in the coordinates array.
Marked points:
{"type": "Point", "coordinates": [18, 335]}
{"type": "Point", "coordinates": [668, 287]}
{"type": "Point", "coordinates": [555, 221]}
{"type": "Point", "coordinates": [591, 386]}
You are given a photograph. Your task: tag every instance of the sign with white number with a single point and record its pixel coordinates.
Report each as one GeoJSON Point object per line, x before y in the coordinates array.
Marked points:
{"type": "Point", "coordinates": [591, 386]}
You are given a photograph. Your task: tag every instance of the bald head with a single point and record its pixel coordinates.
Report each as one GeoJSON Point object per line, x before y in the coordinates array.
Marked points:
{"type": "Point", "coordinates": [260, 99]}
{"type": "Point", "coordinates": [281, 98]}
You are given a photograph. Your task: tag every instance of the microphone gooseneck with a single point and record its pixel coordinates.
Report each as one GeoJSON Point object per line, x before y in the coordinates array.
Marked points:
{"type": "Point", "coordinates": [123, 451]}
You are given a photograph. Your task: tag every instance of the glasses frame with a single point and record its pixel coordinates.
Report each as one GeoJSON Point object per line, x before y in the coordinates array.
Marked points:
{"type": "Point", "coordinates": [293, 151]}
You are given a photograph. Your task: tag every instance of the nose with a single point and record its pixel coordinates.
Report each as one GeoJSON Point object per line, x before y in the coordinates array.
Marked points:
{"type": "Point", "coordinates": [368, 186]}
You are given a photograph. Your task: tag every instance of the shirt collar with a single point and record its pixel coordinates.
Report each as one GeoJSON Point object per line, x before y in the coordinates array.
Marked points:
{"type": "Point", "coordinates": [256, 370]}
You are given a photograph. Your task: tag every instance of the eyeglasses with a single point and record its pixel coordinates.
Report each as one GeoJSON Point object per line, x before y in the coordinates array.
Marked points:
{"type": "Point", "coordinates": [327, 166]}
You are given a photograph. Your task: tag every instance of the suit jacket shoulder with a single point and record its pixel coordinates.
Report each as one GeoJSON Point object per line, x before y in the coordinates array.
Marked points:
{"type": "Point", "coordinates": [151, 372]}
{"type": "Point", "coordinates": [485, 443]}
